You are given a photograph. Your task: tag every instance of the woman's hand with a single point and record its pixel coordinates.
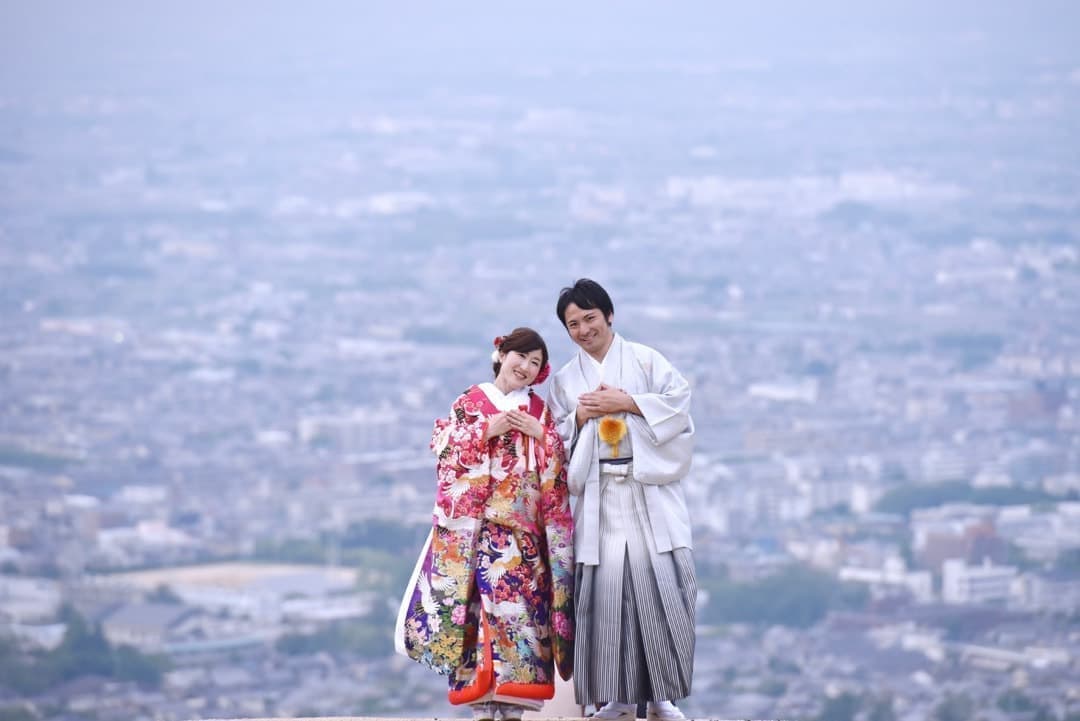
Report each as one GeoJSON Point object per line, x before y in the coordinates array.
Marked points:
{"type": "Point", "coordinates": [497, 425]}
{"type": "Point", "coordinates": [524, 422]}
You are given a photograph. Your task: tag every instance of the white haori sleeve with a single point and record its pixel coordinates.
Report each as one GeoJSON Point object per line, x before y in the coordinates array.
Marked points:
{"type": "Point", "coordinates": [663, 438]}
{"type": "Point", "coordinates": [663, 435]}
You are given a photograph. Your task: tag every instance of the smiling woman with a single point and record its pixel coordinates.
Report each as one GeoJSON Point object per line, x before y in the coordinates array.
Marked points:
{"type": "Point", "coordinates": [491, 600]}
{"type": "Point", "coordinates": [519, 359]}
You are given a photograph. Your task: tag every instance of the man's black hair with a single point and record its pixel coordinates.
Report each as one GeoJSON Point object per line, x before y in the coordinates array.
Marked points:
{"type": "Point", "coordinates": [586, 294]}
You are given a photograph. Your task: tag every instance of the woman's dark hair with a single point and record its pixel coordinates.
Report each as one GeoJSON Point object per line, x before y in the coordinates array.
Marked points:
{"type": "Point", "coordinates": [585, 294]}
{"type": "Point", "coordinates": [523, 340]}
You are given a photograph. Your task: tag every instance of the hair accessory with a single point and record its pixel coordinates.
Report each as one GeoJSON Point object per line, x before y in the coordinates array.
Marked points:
{"type": "Point", "coordinates": [499, 341]}
{"type": "Point", "coordinates": [495, 356]}
{"type": "Point", "coordinates": [542, 375]}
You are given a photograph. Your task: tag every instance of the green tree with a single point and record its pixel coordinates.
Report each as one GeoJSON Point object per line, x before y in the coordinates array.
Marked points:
{"type": "Point", "coordinates": [1015, 700]}
{"type": "Point", "coordinates": [164, 594]}
{"type": "Point", "coordinates": [782, 665]}
{"type": "Point", "coordinates": [129, 664]}
{"type": "Point", "coordinates": [384, 534]}
{"type": "Point", "coordinates": [881, 709]}
{"type": "Point", "coordinates": [904, 499]}
{"type": "Point", "coordinates": [1069, 561]}
{"type": "Point", "coordinates": [772, 687]}
{"type": "Point", "coordinates": [45, 462]}
{"type": "Point", "coordinates": [368, 637]}
{"type": "Point", "coordinates": [26, 672]}
{"type": "Point", "coordinates": [796, 596]}
{"type": "Point", "coordinates": [16, 713]}
{"type": "Point", "coordinates": [973, 349]}
{"type": "Point", "coordinates": [83, 651]}
{"type": "Point", "coordinates": [291, 551]}
{"type": "Point", "coordinates": [840, 708]}
{"type": "Point", "coordinates": [955, 707]}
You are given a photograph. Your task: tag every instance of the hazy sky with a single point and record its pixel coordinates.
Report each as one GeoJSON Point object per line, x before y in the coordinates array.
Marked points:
{"type": "Point", "coordinates": [43, 40]}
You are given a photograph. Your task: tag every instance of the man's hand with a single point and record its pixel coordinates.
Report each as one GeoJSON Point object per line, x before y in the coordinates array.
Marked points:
{"type": "Point", "coordinates": [583, 414]}
{"type": "Point", "coordinates": [605, 400]}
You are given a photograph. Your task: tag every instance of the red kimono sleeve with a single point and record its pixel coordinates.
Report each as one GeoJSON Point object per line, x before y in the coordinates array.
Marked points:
{"type": "Point", "coordinates": [463, 468]}
{"type": "Point", "coordinates": [558, 525]}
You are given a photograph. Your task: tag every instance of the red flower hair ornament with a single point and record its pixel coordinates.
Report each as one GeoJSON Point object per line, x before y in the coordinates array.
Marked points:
{"type": "Point", "coordinates": [542, 375]}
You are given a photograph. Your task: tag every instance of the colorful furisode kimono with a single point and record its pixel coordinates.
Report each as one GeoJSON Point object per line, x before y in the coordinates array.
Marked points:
{"type": "Point", "coordinates": [491, 600]}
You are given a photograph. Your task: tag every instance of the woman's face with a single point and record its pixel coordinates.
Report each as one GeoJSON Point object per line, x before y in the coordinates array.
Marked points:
{"type": "Point", "coordinates": [519, 369]}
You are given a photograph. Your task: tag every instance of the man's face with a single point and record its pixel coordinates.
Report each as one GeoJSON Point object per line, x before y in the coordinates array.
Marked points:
{"type": "Point", "coordinates": [588, 328]}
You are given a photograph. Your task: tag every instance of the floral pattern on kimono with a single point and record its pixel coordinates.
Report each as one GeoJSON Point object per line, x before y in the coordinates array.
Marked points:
{"type": "Point", "coordinates": [493, 602]}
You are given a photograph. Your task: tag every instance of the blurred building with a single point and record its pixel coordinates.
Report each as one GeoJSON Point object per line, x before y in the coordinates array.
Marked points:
{"type": "Point", "coordinates": [964, 584]}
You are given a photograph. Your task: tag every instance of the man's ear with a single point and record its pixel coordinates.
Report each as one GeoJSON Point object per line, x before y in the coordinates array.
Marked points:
{"type": "Point", "coordinates": [611, 317]}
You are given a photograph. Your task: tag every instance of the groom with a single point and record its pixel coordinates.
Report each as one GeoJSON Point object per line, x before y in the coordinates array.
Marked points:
{"type": "Point", "coordinates": [624, 414]}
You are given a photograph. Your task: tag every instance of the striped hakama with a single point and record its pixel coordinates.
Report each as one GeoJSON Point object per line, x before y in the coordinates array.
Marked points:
{"type": "Point", "coordinates": [635, 610]}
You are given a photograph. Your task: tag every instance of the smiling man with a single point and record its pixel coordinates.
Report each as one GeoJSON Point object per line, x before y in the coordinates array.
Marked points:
{"type": "Point", "coordinates": [623, 412]}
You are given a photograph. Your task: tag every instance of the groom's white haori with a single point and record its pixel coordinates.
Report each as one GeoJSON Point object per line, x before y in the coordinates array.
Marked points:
{"type": "Point", "coordinates": [661, 439]}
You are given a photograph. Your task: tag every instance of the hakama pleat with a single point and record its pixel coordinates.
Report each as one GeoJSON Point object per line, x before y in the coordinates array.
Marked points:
{"type": "Point", "coordinates": [635, 612]}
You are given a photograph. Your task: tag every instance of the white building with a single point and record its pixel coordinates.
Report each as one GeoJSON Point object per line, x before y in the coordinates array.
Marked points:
{"type": "Point", "coordinates": [987, 583]}
{"type": "Point", "coordinates": [893, 575]}
{"type": "Point", "coordinates": [953, 520]}
{"type": "Point", "coordinates": [1056, 593]}
{"type": "Point", "coordinates": [1042, 534]}
{"type": "Point", "coordinates": [146, 626]}
{"type": "Point", "coordinates": [363, 431]}
{"type": "Point", "coordinates": [255, 591]}
{"type": "Point", "coordinates": [943, 463]}
{"type": "Point", "coordinates": [800, 390]}
{"type": "Point", "coordinates": [28, 600]}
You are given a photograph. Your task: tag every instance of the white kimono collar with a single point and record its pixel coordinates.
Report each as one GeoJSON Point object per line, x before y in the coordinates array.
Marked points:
{"type": "Point", "coordinates": [505, 401]}
{"type": "Point", "coordinates": [593, 370]}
